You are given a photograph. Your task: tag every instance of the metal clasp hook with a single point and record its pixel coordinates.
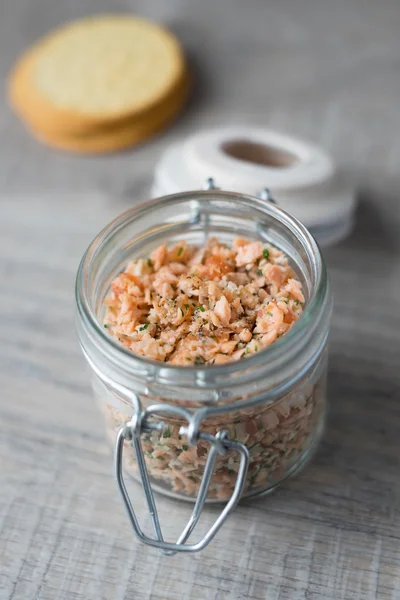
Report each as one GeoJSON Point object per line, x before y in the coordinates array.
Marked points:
{"type": "Point", "coordinates": [265, 193]}
{"type": "Point", "coordinates": [219, 444]}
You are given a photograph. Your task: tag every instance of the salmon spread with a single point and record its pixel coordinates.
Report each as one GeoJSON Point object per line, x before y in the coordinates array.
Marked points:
{"type": "Point", "coordinates": [189, 305]}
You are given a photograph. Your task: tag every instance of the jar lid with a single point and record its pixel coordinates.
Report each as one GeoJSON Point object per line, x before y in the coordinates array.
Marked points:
{"type": "Point", "coordinates": [301, 177]}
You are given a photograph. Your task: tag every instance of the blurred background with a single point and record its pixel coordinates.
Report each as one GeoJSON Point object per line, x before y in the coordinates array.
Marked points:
{"type": "Point", "coordinates": [327, 71]}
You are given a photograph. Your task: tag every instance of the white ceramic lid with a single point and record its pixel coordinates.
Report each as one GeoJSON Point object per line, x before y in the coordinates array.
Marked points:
{"type": "Point", "coordinates": [301, 177]}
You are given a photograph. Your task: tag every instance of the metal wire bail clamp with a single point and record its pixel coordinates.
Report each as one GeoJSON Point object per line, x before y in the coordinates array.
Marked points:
{"type": "Point", "coordinates": [219, 444]}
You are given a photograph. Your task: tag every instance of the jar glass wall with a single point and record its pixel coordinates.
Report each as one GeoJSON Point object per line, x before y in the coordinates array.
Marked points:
{"type": "Point", "coordinates": [274, 401]}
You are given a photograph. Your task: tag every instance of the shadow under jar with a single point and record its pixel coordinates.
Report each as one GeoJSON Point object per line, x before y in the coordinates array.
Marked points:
{"type": "Point", "coordinates": [273, 402]}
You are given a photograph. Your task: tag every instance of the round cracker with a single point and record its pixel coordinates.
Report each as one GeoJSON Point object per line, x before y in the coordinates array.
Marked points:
{"type": "Point", "coordinates": [62, 129]}
{"type": "Point", "coordinates": [101, 69]}
{"type": "Point", "coordinates": [111, 139]}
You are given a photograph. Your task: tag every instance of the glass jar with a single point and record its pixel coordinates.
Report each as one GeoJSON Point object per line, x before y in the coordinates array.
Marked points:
{"type": "Point", "coordinates": [272, 403]}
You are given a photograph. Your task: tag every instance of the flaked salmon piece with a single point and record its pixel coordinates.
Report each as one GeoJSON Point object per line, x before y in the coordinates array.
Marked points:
{"type": "Point", "coordinates": [190, 284]}
{"type": "Point", "coordinates": [237, 306]}
{"type": "Point", "coordinates": [111, 301]}
{"type": "Point", "coordinates": [269, 317]}
{"type": "Point", "coordinates": [215, 319]}
{"type": "Point", "coordinates": [269, 419]}
{"type": "Point", "coordinates": [282, 305]}
{"type": "Point", "coordinates": [165, 274]}
{"type": "Point", "coordinates": [139, 267]}
{"type": "Point", "coordinates": [182, 252]}
{"type": "Point", "coordinates": [238, 354]}
{"type": "Point", "coordinates": [253, 346]}
{"type": "Point", "coordinates": [290, 317]}
{"type": "Point", "coordinates": [240, 242]}
{"type": "Point", "coordinates": [177, 268]}
{"type": "Point", "coordinates": [181, 358]}
{"type": "Point", "coordinates": [217, 266]}
{"type": "Point", "coordinates": [276, 256]}
{"type": "Point", "coordinates": [158, 256]}
{"type": "Point", "coordinates": [148, 296]}
{"type": "Point", "coordinates": [125, 341]}
{"type": "Point", "coordinates": [238, 278]}
{"type": "Point", "coordinates": [223, 311]}
{"type": "Point", "coordinates": [274, 273]}
{"type": "Point", "coordinates": [204, 296]}
{"type": "Point", "coordinates": [165, 283]}
{"type": "Point", "coordinates": [214, 291]}
{"type": "Point", "coordinates": [212, 243]}
{"type": "Point", "coordinates": [197, 257]}
{"type": "Point", "coordinates": [293, 286]}
{"type": "Point", "coordinates": [169, 336]}
{"type": "Point", "coordinates": [269, 337]}
{"type": "Point", "coordinates": [248, 254]}
{"type": "Point", "coordinates": [132, 316]}
{"type": "Point", "coordinates": [249, 299]}
{"type": "Point", "coordinates": [128, 327]}
{"type": "Point", "coordinates": [246, 322]}
{"type": "Point", "coordinates": [125, 282]}
{"type": "Point", "coordinates": [228, 347]}
{"type": "Point", "coordinates": [127, 302]}
{"type": "Point", "coordinates": [166, 290]}
{"type": "Point", "coordinates": [221, 358]}
{"type": "Point", "coordinates": [200, 271]}
{"type": "Point", "coordinates": [245, 335]}
{"type": "Point", "coordinates": [251, 427]}
{"type": "Point", "coordinates": [150, 348]}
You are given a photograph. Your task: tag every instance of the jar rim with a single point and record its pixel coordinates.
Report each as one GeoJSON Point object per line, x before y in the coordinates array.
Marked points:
{"type": "Point", "coordinates": [199, 373]}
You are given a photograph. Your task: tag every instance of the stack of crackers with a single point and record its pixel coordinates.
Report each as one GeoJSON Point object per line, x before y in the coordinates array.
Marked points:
{"type": "Point", "coordinates": [100, 84]}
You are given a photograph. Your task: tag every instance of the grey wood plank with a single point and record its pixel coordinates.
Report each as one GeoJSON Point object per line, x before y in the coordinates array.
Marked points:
{"type": "Point", "coordinates": [327, 71]}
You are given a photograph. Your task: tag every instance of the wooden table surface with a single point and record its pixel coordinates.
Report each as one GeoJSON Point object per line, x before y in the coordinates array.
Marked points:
{"type": "Point", "coordinates": [325, 70]}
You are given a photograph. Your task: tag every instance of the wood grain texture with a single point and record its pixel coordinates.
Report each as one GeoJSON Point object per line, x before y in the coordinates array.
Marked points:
{"type": "Point", "coordinates": [327, 71]}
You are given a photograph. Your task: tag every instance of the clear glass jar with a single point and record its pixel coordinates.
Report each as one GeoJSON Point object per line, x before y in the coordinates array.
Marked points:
{"type": "Point", "coordinates": [273, 402]}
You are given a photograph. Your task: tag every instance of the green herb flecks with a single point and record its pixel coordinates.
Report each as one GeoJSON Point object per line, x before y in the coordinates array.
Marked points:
{"type": "Point", "coordinates": [180, 250]}
{"type": "Point", "coordinates": [265, 253]}
{"type": "Point", "coordinates": [167, 433]}
{"type": "Point", "coordinates": [145, 326]}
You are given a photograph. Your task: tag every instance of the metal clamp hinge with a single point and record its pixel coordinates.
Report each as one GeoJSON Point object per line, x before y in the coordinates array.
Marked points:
{"type": "Point", "coordinates": [265, 193]}
{"type": "Point", "coordinates": [219, 444]}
